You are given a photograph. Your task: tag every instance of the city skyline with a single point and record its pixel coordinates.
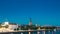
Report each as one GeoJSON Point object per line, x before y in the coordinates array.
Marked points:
{"type": "Point", "coordinates": [42, 12]}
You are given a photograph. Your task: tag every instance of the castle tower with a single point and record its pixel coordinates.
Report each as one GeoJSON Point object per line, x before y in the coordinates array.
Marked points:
{"type": "Point", "coordinates": [30, 22]}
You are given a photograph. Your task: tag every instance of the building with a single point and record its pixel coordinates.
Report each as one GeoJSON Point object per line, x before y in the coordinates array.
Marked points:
{"type": "Point", "coordinates": [11, 26]}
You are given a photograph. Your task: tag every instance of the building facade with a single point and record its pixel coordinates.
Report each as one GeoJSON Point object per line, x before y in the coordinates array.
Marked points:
{"type": "Point", "coordinates": [11, 26]}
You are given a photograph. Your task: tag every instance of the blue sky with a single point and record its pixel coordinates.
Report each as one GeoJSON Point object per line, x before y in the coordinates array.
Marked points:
{"type": "Point", "coordinates": [42, 12]}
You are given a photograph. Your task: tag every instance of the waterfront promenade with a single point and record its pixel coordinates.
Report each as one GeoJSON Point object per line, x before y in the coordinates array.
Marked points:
{"type": "Point", "coordinates": [29, 31]}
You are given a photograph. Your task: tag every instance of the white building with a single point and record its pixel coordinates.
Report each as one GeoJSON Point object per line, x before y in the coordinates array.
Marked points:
{"type": "Point", "coordinates": [11, 26]}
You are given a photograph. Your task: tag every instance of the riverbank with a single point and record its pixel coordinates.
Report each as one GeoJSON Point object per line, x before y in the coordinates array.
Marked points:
{"type": "Point", "coordinates": [33, 32]}
{"type": "Point", "coordinates": [5, 30]}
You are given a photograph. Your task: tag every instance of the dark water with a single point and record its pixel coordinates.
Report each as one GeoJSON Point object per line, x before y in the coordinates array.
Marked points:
{"type": "Point", "coordinates": [41, 32]}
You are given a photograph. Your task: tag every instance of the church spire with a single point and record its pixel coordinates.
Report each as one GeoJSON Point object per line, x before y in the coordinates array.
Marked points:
{"type": "Point", "coordinates": [30, 22]}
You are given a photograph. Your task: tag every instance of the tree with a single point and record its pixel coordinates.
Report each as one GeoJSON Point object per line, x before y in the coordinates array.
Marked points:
{"type": "Point", "coordinates": [0, 26]}
{"type": "Point", "coordinates": [16, 29]}
{"type": "Point", "coordinates": [6, 26]}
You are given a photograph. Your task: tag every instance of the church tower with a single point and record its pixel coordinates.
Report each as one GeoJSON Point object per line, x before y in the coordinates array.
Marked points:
{"type": "Point", "coordinates": [30, 22]}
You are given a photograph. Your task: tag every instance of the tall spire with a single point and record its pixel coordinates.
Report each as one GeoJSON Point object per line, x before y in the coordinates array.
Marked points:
{"type": "Point", "coordinates": [30, 22]}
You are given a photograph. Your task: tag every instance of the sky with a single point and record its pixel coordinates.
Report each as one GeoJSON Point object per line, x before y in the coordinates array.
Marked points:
{"type": "Point", "coordinates": [42, 12]}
